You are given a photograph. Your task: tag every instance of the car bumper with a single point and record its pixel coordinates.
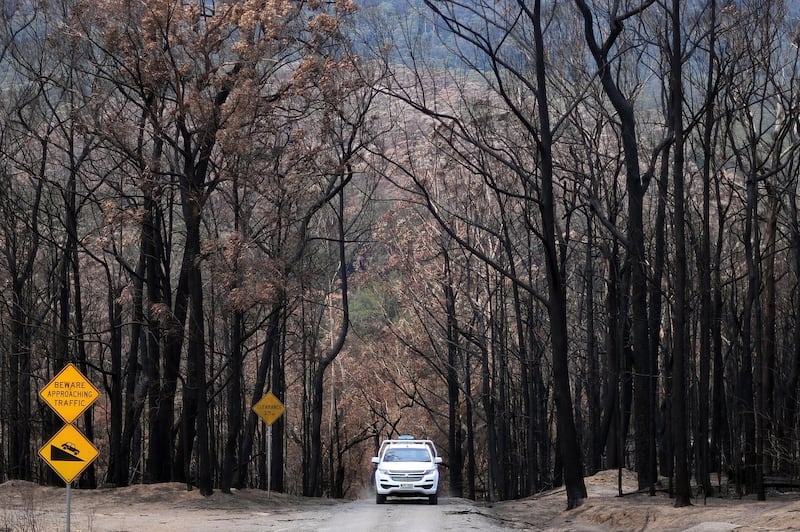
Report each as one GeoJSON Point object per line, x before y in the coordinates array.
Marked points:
{"type": "Point", "coordinates": [385, 485]}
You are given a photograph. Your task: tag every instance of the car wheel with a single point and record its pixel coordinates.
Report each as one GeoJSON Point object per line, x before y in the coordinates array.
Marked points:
{"type": "Point", "coordinates": [433, 499]}
{"type": "Point", "coordinates": [380, 499]}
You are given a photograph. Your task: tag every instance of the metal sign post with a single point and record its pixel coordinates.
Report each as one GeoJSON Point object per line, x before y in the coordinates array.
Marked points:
{"type": "Point", "coordinates": [269, 459]}
{"type": "Point", "coordinates": [269, 408]}
{"type": "Point", "coordinates": [69, 503]}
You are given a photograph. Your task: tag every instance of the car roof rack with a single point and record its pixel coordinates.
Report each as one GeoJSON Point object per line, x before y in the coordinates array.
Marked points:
{"type": "Point", "coordinates": [401, 441]}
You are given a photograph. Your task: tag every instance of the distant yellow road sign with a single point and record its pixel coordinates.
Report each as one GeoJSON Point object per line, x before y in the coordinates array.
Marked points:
{"type": "Point", "coordinates": [69, 393]}
{"type": "Point", "coordinates": [68, 453]}
{"type": "Point", "coordinates": [269, 408]}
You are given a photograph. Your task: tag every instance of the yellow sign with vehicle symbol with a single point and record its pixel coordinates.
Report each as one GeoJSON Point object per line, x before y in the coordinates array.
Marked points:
{"type": "Point", "coordinates": [68, 453]}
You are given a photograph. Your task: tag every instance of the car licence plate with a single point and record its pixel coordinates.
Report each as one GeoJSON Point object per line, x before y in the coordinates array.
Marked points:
{"type": "Point", "coordinates": [406, 485]}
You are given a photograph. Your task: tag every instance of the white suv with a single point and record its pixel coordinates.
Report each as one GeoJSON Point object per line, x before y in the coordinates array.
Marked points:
{"type": "Point", "coordinates": [407, 468]}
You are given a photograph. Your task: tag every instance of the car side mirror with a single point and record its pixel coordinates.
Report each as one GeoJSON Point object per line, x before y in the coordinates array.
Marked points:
{"type": "Point", "coordinates": [376, 460]}
{"type": "Point", "coordinates": [438, 460]}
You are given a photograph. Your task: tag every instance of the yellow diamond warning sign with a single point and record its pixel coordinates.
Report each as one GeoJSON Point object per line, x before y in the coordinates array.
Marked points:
{"type": "Point", "coordinates": [68, 453]}
{"type": "Point", "coordinates": [69, 393]}
{"type": "Point", "coordinates": [269, 408]}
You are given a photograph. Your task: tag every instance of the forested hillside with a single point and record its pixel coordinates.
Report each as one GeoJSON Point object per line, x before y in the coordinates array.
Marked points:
{"type": "Point", "coordinates": [554, 237]}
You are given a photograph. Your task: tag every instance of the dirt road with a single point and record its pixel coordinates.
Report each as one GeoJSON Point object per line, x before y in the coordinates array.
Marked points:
{"type": "Point", "coordinates": [405, 516]}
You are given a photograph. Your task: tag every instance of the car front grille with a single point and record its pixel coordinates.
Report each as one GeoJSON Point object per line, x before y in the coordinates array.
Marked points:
{"type": "Point", "coordinates": [408, 476]}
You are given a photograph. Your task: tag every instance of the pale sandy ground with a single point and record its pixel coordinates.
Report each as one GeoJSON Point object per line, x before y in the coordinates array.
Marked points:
{"type": "Point", "coordinates": [28, 507]}
{"type": "Point", "coordinates": [605, 510]}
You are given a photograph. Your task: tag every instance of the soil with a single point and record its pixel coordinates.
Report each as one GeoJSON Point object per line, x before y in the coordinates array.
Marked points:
{"type": "Point", "coordinates": [29, 507]}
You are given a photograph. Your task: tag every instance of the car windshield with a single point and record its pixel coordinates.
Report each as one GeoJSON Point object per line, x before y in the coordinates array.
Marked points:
{"type": "Point", "coordinates": [407, 455]}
